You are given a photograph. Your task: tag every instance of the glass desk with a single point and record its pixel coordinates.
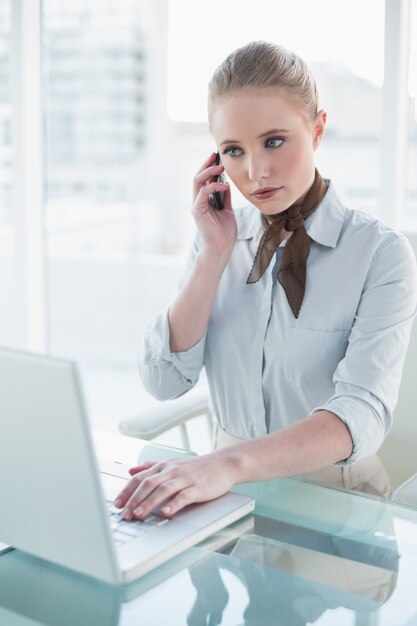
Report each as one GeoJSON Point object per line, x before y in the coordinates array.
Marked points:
{"type": "Point", "coordinates": [308, 555]}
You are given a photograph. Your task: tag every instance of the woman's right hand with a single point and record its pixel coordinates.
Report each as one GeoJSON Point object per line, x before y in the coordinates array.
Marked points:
{"type": "Point", "coordinates": [217, 228]}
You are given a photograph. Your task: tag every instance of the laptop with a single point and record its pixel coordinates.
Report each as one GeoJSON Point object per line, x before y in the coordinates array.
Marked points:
{"type": "Point", "coordinates": [55, 502]}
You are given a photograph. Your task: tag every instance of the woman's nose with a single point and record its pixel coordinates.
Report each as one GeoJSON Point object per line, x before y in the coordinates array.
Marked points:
{"type": "Point", "coordinates": [258, 167]}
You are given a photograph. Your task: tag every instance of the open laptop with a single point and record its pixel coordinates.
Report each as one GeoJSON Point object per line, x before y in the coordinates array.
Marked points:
{"type": "Point", "coordinates": [53, 496]}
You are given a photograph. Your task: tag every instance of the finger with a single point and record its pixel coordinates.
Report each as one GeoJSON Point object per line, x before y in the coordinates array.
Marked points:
{"type": "Point", "coordinates": [178, 502]}
{"type": "Point", "coordinates": [203, 203]}
{"type": "Point", "coordinates": [147, 488]}
{"type": "Point", "coordinates": [133, 484]}
{"type": "Point", "coordinates": [139, 507]}
{"type": "Point", "coordinates": [212, 170]}
{"type": "Point", "coordinates": [125, 494]}
{"type": "Point", "coordinates": [155, 488]}
{"type": "Point", "coordinates": [228, 198]}
{"type": "Point", "coordinates": [141, 468]}
{"type": "Point", "coordinates": [206, 175]}
{"type": "Point", "coordinates": [209, 161]}
{"type": "Point", "coordinates": [210, 188]}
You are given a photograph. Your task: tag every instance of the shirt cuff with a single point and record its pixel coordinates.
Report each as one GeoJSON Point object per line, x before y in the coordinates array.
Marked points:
{"type": "Point", "coordinates": [362, 416]}
{"type": "Point", "coordinates": [157, 351]}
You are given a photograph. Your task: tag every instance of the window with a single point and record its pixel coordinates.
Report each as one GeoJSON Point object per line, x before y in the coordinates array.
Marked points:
{"type": "Point", "coordinates": [8, 318]}
{"type": "Point", "coordinates": [109, 238]}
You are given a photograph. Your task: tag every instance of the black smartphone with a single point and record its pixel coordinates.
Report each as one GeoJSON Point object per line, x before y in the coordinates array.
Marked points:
{"type": "Point", "coordinates": [218, 196]}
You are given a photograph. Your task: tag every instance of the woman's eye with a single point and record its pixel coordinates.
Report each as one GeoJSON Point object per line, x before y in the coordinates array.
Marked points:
{"type": "Point", "coordinates": [274, 142]}
{"type": "Point", "coordinates": [233, 152]}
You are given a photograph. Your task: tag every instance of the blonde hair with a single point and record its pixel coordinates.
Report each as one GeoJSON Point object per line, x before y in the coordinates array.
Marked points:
{"type": "Point", "coordinates": [263, 65]}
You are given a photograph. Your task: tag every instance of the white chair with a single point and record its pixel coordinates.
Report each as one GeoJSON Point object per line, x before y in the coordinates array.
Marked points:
{"type": "Point", "coordinates": [407, 492]}
{"type": "Point", "coordinates": [163, 416]}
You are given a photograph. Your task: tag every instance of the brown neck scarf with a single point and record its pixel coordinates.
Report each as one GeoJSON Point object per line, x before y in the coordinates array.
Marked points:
{"type": "Point", "coordinates": [292, 271]}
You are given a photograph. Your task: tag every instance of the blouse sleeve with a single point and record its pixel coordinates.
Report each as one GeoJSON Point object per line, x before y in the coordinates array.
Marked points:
{"type": "Point", "coordinates": [165, 374]}
{"type": "Point", "coordinates": [367, 380]}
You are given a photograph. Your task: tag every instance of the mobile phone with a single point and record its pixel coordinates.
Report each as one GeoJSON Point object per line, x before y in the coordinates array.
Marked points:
{"type": "Point", "coordinates": [218, 196]}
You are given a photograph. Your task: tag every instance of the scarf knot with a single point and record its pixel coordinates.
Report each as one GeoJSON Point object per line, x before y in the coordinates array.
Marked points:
{"type": "Point", "coordinates": [292, 272]}
{"type": "Point", "coordinates": [295, 220]}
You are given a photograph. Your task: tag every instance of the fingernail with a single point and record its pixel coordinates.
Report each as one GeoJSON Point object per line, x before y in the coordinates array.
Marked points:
{"type": "Point", "coordinates": [127, 514]}
{"type": "Point", "coordinates": [118, 503]}
{"type": "Point", "coordinates": [138, 511]}
{"type": "Point", "coordinates": [166, 509]}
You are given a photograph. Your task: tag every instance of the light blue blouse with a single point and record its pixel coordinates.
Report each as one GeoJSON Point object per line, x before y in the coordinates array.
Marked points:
{"type": "Point", "coordinates": [345, 352]}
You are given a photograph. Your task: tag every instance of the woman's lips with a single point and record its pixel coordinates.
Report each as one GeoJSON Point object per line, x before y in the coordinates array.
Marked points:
{"type": "Point", "coordinates": [268, 192]}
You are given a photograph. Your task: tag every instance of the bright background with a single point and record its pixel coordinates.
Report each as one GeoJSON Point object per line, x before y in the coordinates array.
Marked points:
{"type": "Point", "coordinates": [123, 130]}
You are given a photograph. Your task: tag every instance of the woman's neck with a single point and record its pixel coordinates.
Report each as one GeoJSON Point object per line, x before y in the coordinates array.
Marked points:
{"type": "Point", "coordinates": [285, 234]}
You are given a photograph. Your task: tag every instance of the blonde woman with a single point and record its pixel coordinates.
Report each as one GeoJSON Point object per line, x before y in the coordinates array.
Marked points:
{"type": "Point", "coordinates": [298, 307]}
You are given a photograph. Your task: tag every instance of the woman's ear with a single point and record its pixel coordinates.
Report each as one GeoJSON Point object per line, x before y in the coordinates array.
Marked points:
{"type": "Point", "coordinates": [318, 129]}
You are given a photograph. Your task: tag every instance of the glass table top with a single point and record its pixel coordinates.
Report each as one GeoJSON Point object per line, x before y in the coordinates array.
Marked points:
{"type": "Point", "coordinates": [308, 555]}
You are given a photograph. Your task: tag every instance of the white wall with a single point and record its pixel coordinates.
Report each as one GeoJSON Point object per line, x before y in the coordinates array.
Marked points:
{"type": "Point", "coordinates": [100, 310]}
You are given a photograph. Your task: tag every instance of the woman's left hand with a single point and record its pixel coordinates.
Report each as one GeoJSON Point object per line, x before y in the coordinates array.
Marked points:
{"type": "Point", "coordinates": [175, 484]}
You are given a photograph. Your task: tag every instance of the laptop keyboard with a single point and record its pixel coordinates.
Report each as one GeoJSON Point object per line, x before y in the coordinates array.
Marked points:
{"type": "Point", "coordinates": [126, 531]}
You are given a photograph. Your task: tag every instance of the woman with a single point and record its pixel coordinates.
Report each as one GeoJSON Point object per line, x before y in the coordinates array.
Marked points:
{"type": "Point", "coordinates": [299, 308]}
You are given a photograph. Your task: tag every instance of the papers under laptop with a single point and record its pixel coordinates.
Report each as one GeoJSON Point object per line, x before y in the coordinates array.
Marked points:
{"type": "Point", "coordinates": [53, 495]}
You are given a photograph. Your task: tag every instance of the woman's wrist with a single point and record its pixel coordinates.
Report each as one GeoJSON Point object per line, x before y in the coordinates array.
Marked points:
{"type": "Point", "coordinates": [215, 258]}
{"type": "Point", "coordinates": [234, 462]}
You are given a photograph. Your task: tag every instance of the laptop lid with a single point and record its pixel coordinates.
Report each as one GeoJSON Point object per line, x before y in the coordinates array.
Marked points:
{"type": "Point", "coordinates": [51, 496]}
{"type": "Point", "coordinates": [50, 479]}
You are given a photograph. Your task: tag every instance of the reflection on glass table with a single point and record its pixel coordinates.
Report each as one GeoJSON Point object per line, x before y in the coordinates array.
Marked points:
{"type": "Point", "coordinates": [368, 475]}
{"type": "Point", "coordinates": [309, 555]}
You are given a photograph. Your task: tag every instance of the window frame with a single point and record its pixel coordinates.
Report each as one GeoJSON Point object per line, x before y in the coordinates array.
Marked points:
{"type": "Point", "coordinates": [395, 111]}
{"type": "Point", "coordinates": [28, 170]}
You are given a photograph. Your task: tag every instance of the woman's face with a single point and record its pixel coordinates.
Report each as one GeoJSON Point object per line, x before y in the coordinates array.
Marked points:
{"type": "Point", "coordinates": [266, 143]}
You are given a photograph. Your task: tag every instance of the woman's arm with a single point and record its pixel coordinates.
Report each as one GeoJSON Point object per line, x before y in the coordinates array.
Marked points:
{"type": "Point", "coordinates": [316, 441]}
{"type": "Point", "coordinates": [173, 352]}
{"type": "Point", "coordinates": [190, 312]}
